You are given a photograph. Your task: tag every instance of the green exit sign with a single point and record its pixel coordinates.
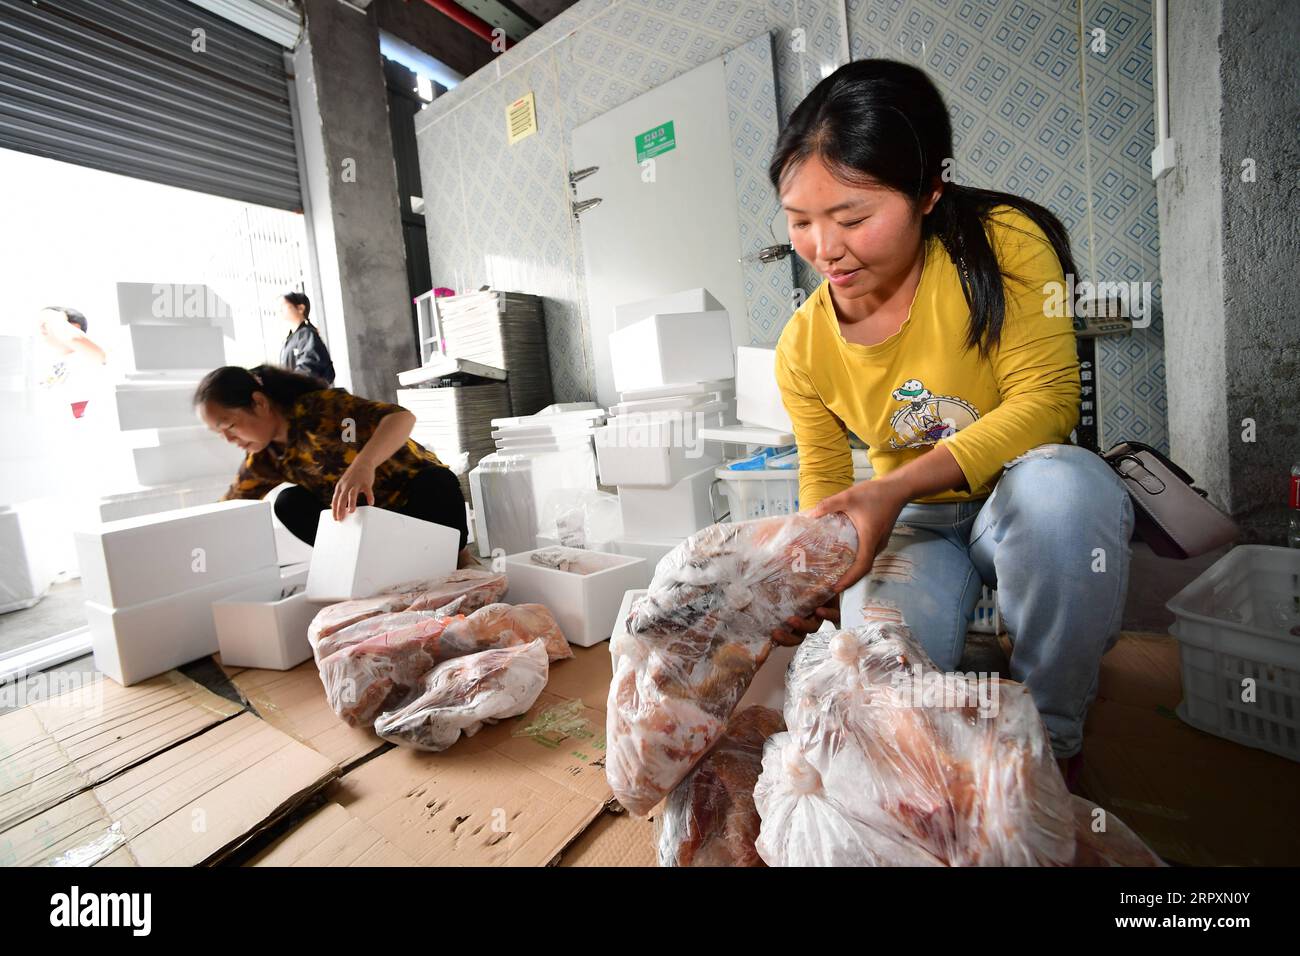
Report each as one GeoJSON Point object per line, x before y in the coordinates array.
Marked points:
{"type": "Point", "coordinates": [655, 141]}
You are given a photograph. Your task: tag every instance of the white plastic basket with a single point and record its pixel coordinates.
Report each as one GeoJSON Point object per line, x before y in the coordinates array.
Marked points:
{"type": "Point", "coordinates": [759, 494]}
{"type": "Point", "coordinates": [1238, 629]}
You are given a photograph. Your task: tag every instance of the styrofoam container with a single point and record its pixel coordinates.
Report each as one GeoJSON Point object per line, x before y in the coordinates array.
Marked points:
{"type": "Point", "coordinates": [142, 559]}
{"type": "Point", "coordinates": [1238, 628]}
{"type": "Point", "coordinates": [668, 349]}
{"type": "Point", "coordinates": [165, 404]}
{"type": "Point", "coordinates": [624, 609]}
{"type": "Point", "coordinates": [24, 574]}
{"type": "Point", "coordinates": [585, 605]}
{"type": "Point", "coordinates": [676, 511]}
{"type": "Point", "coordinates": [758, 399]}
{"type": "Point", "coordinates": [652, 550]}
{"type": "Point", "coordinates": [510, 491]}
{"type": "Point", "coordinates": [652, 454]}
{"type": "Point", "coordinates": [140, 641]}
{"type": "Point", "coordinates": [725, 387]}
{"type": "Point", "coordinates": [150, 348]}
{"type": "Point", "coordinates": [372, 549]}
{"type": "Point", "coordinates": [687, 300]}
{"type": "Point", "coordinates": [260, 627]}
{"type": "Point", "coordinates": [551, 541]}
{"type": "Point", "coordinates": [173, 461]}
{"type": "Point", "coordinates": [154, 303]}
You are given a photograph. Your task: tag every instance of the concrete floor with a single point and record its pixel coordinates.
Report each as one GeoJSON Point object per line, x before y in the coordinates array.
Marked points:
{"type": "Point", "coordinates": [56, 613]}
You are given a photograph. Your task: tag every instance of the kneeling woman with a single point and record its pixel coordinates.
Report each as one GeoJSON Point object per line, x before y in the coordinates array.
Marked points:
{"type": "Point", "coordinates": [339, 451]}
{"type": "Point", "coordinates": [934, 340]}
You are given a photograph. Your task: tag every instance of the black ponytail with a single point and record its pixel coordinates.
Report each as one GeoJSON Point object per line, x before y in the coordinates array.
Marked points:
{"type": "Point", "coordinates": [233, 387]}
{"type": "Point", "coordinates": [860, 121]}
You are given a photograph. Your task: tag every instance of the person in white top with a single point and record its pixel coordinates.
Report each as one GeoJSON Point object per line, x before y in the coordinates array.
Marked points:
{"type": "Point", "coordinates": [70, 354]}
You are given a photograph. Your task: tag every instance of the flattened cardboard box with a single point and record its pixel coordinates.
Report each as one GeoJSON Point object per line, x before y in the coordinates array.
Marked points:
{"type": "Point", "coordinates": [192, 804]}
{"type": "Point", "coordinates": [1195, 798]}
{"type": "Point", "coordinates": [55, 748]}
{"type": "Point", "coordinates": [294, 701]}
{"type": "Point", "coordinates": [615, 839]}
{"type": "Point", "coordinates": [515, 794]}
{"type": "Point", "coordinates": [332, 837]}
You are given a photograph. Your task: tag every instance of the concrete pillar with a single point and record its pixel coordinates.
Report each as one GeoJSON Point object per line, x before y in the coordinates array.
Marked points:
{"type": "Point", "coordinates": [351, 186]}
{"type": "Point", "coordinates": [1229, 254]}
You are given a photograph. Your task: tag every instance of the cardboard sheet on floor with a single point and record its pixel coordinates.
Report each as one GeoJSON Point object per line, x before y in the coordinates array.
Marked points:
{"type": "Point", "coordinates": [332, 837]}
{"type": "Point", "coordinates": [1195, 798]}
{"type": "Point", "coordinates": [55, 748]}
{"type": "Point", "coordinates": [187, 806]}
{"type": "Point", "coordinates": [614, 839]}
{"type": "Point", "coordinates": [514, 794]}
{"type": "Point", "coordinates": [294, 701]}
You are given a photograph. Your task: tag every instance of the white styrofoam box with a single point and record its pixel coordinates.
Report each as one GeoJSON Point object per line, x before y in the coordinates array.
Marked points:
{"type": "Point", "coordinates": [372, 549]}
{"type": "Point", "coordinates": [168, 455]}
{"type": "Point", "coordinates": [677, 511]}
{"type": "Point", "coordinates": [585, 605]}
{"type": "Point", "coordinates": [667, 349]}
{"type": "Point", "coordinates": [767, 689]}
{"type": "Point", "coordinates": [652, 454]}
{"type": "Point", "coordinates": [149, 348]}
{"type": "Point", "coordinates": [687, 300]}
{"type": "Point", "coordinates": [24, 576]}
{"type": "Point", "coordinates": [155, 303]}
{"type": "Point", "coordinates": [1241, 619]}
{"type": "Point", "coordinates": [758, 399]}
{"type": "Point", "coordinates": [652, 549]}
{"type": "Point", "coordinates": [142, 404]}
{"type": "Point", "coordinates": [624, 609]}
{"type": "Point", "coordinates": [260, 627]}
{"type": "Point", "coordinates": [137, 560]}
{"type": "Point", "coordinates": [140, 641]}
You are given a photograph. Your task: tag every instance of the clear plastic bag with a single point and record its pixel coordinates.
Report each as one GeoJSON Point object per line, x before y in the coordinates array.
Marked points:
{"type": "Point", "coordinates": [473, 587]}
{"type": "Point", "coordinates": [580, 517]}
{"type": "Point", "coordinates": [710, 818]}
{"type": "Point", "coordinates": [1103, 839]}
{"type": "Point", "coordinates": [694, 641]}
{"type": "Point", "coordinates": [377, 664]}
{"type": "Point", "coordinates": [887, 761]}
{"type": "Point", "coordinates": [461, 695]}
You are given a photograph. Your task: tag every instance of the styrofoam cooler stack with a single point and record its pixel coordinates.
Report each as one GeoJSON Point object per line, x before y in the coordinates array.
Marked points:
{"type": "Point", "coordinates": [150, 582]}
{"type": "Point", "coordinates": [536, 456]}
{"type": "Point", "coordinates": [161, 348]}
{"type": "Point", "coordinates": [674, 512]}
{"type": "Point", "coordinates": [656, 441]}
{"type": "Point", "coordinates": [168, 456]}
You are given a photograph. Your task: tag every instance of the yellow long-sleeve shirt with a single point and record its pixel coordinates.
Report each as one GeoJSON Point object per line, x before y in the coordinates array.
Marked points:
{"type": "Point", "coordinates": [921, 387]}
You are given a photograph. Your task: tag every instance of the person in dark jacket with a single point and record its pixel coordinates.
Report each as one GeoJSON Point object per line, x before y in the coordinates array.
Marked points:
{"type": "Point", "coordinates": [304, 350]}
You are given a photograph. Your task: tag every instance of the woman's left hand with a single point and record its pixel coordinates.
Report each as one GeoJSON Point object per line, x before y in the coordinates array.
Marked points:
{"type": "Point", "coordinates": [358, 480]}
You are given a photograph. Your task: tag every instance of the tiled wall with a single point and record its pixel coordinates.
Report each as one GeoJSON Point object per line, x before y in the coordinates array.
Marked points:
{"type": "Point", "coordinates": [1010, 70]}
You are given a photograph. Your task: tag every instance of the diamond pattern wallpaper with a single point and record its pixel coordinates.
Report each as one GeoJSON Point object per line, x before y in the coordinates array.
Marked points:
{"type": "Point", "coordinates": [1034, 112]}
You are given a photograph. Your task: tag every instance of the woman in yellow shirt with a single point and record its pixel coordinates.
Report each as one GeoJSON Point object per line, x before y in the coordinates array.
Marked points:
{"type": "Point", "coordinates": [936, 338]}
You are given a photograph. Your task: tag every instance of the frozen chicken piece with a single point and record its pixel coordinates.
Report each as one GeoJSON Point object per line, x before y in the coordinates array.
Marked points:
{"type": "Point", "coordinates": [889, 762]}
{"type": "Point", "coordinates": [461, 695]}
{"type": "Point", "coordinates": [710, 818]}
{"type": "Point", "coordinates": [695, 639]}
{"type": "Point", "coordinates": [472, 587]}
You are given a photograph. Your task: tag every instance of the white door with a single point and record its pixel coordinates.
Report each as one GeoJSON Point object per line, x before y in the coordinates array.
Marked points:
{"type": "Point", "coordinates": [678, 231]}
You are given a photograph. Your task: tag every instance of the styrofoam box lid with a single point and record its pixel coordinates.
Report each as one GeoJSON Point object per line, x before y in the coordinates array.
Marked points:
{"type": "Point", "coordinates": [725, 386]}
{"type": "Point", "coordinates": [667, 403]}
{"type": "Point", "coordinates": [544, 418]}
{"type": "Point", "coordinates": [144, 521]}
{"type": "Point", "coordinates": [636, 419]}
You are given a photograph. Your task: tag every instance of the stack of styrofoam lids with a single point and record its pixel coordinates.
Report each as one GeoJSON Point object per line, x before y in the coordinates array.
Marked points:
{"type": "Point", "coordinates": [556, 428]}
{"type": "Point", "coordinates": [504, 330]}
{"type": "Point", "coordinates": [724, 386]}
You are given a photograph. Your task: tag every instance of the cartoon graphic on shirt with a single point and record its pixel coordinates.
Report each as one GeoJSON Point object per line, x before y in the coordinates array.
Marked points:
{"type": "Point", "coordinates": [926, 417]}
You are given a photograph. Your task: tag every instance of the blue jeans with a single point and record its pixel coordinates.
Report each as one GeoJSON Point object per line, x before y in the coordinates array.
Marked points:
{"type": "Point", "coordinates": [1053, 538]}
